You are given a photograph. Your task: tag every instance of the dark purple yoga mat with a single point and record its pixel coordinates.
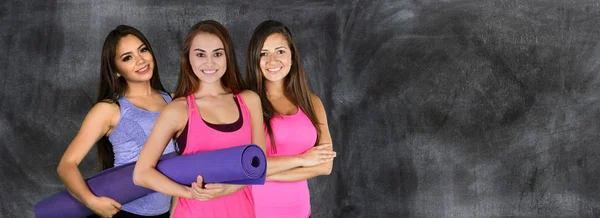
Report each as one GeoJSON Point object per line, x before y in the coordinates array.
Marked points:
{"type": "Point", "coordinates": [244, 164]}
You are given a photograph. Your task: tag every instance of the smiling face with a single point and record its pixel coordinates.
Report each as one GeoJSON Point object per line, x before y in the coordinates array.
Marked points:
{"type": "Point", "coordinates": [133, 59]}
{"type": "Point", "coordinates": [275, 58]}
{"type": "Point", "coordinates": [207, 57]}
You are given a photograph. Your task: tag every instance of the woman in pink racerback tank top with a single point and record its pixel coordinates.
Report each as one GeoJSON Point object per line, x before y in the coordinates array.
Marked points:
{"type": "Point", "coordinates": [210, 106]}
{"type": "Point", "coordinates": [298, 140]}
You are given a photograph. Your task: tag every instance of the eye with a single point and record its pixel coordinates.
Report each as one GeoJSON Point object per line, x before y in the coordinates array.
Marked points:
{"type": "Point", "coordinates": [199, 54]}
{"type": "Point", "coordinates": [218, 54]}
{"type": "Point", "coordinates": [281, 51]}
{"type": "Point", "coordinates": [126, 58]}
{"type": "Point", "coordinates": [144, 49]}
{"type": "Point", "coordinates": [263, 54]}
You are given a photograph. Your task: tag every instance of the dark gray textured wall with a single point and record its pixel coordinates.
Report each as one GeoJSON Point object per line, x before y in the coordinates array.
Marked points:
{"type": "Point", "coordinates": [437, 108]}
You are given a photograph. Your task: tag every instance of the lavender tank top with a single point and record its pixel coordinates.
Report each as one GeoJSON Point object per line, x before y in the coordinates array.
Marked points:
{"type": "Point", "coordinates": [127, 138]}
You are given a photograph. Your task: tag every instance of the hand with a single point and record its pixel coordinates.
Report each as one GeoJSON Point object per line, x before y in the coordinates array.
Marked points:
{"type": "Point", "coordinates": [212, 190]}
{"type": "Point", "coordinates": [317, 155]}
{"type": "Point", "coordinates": [103, 206]}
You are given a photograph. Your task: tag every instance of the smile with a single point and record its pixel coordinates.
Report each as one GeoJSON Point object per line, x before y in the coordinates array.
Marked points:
{"type": "Point", "coordinates": [209, 71]}
{"type": "Point", "coordinates": [274, 69]}
{"type": "Point", "coordinates": [144, 69]}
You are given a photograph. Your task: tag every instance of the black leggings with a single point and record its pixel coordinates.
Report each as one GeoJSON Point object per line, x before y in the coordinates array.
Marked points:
{"type": "Point", "coordinates": [125, 214]}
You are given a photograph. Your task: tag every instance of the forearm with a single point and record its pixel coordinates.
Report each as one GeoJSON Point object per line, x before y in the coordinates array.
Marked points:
{"type": "Point", "coordinates": [153, 179]}
{"type": "Point", "coordinates": [74, 182]}
{"type": "Point", "coordinates": [301, 173]}
{"type": "Point", "coordinates": [279, 164]}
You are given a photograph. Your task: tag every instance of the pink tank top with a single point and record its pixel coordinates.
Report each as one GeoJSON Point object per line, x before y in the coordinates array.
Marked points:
{"type": "Point", "coordinates": [293, 134]}
{"type": "Point", "coordinates": [201, 137]}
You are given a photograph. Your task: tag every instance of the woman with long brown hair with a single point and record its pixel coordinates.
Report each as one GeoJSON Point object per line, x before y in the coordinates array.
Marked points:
{"type": "Point", "coordinates": [210, 112]}
{"type": "Point", "coordinates": [129, 100]}
{"type": "Point", "coordinates": [298, 140]}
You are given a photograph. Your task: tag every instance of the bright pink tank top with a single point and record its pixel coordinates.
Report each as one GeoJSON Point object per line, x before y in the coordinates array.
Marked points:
{"type": "Point", "coordinates": [293, 134]}
{"type": "Point", "coordinates": [201, 137]}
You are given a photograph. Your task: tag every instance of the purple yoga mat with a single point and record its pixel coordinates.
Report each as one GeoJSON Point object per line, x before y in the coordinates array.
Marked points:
{"type": "Point", "coordinates": [244, 164]}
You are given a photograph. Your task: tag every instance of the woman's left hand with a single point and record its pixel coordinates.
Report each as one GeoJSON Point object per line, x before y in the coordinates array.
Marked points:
{"type": "Point", "coordinates": [213, 190]}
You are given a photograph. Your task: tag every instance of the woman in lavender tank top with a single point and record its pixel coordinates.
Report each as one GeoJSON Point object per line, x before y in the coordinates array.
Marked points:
{"type": "Point", "coordinates": [210, 112]}
{"type": "Point", "coordinates": [129, 101]}
{"type": "Point", "coordinates": [298, 141]}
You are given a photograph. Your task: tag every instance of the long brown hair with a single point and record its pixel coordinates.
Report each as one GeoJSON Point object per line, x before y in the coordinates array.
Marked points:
{"type": "Point", "coordinates": [188, 82]}
{"type": "Point", "coordinates": [112, 87]}
{"type": "Point", "coordinates": [295, 85]}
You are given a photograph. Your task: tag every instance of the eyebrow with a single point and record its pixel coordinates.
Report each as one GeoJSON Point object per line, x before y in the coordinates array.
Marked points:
{"type": "Point", "coordinates": [200, 50]}
{"type": "Point", "coordinates": [126, 53]}
{"type": "Point", "coordinates": [278, 47]}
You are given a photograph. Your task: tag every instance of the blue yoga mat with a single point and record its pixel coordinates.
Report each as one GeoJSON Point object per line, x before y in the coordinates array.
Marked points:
{"type": "Point", "coordinates": [244, 165]}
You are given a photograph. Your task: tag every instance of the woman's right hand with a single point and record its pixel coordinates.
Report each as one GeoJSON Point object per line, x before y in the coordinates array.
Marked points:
{"type": "Point", "coordinates": [103, 206]}
{"type": "Point", "coordinates": [317, 155]}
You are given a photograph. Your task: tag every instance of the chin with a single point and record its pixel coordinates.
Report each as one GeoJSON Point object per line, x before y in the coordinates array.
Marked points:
{"type": "Point", "coordinates": [210, 80]}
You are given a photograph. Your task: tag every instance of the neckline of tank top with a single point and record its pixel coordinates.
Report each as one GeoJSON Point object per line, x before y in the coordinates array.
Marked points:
{"type": "Point", "coordinates": [291, 115]}
{"type": "Point", "coordinates": [142, 109]}
{"type": "Point", "coordinates": [219, 125]}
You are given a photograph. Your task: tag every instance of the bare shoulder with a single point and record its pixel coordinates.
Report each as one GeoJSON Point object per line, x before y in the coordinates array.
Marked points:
{"type": "Point", "coordinates": [174, 116]}
{"type": "Point", "coordinates": [104, 113]}
{"type": "Point", "coordinates": [318, 107]}
{"type": "Point", "coordinates": [177, 106]}
{"type": "Point", "coordinates": [250, 97]}
{"type": "Point", "coordinates": [316, 101]}
{"type": "Point", "coordinates": [104, 109]}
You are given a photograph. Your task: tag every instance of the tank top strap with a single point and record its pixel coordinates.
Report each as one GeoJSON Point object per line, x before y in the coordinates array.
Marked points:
{"type": "Point", "coordinates": [193, 115]}
{"type": "Point", "coordinates": [191, 101]}
{"type": "Point", "coordinates": [124, 104]}
{"type": "Point", "coordinates": [166, 96]}
{"type": "Point", "coordinates": [243, 107]}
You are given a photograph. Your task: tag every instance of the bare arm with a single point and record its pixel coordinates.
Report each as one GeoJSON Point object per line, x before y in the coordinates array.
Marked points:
{"type": "Point", "coordinates": [256, 119]}
{"type": "Point", "coordinates": [275, 164]}
{"type": "Point", "coordinates": [303, 173]}
{"type": "Point", "coordinates": [300, 173]}
{"type": "Point", "coordinates": [170, 121]}
{"type": "Point", "coordinates": [97, 123]}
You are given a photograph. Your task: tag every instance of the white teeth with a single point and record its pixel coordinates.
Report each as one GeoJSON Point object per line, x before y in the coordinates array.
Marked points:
{"type": "Point", "coordinates": [209, 71]}
{"type": "Point", "coordinates": [143, 69]}
{"type": "Point", "coordinates": [274, 69]}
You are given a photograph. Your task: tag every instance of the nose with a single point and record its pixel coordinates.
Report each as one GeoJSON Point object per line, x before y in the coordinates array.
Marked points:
{"type": "Point", "coordinates": [140, 59]}
{"type": "Point", "coordinates": [271, 58]}
{"type": "Point", "coordinates": [210, 61]}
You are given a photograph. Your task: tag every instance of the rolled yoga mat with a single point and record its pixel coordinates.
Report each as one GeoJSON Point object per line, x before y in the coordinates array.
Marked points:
{"type": "Point", "coordinates": [244, 164]}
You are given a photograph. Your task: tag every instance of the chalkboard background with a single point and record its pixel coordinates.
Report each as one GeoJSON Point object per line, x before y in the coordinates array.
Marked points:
{"type": "Point", "coordinates": [437, 108]}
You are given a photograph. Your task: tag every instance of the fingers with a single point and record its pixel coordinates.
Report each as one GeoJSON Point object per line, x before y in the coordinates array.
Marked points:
{"type": "Point", "coordinates": [214, 186]}
{"type": "Point", "coordinates": [326, 153]}
{"type": "Point", "coordinates": [210, 191]}
{"type": "Point", "coordinates": [214, 189]}
{"type": "Point", "coordinates": [197, 192]}
{"type": "Point", "coordinates": [325, 160]}
{"type": "Point", "coordinates": [323, 146]}
{"type": "Point", "coordinates": [115, 204]}
{"type": "Point", "coordinates": [200, 179]}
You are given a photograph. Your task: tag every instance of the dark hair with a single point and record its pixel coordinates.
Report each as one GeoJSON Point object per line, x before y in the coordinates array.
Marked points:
{"type": "Point", "coordinates": [295, 85]}
{"type": "Point", "coordinates": [188, 82]}
{"type": "Point", "coordinates": [112, 87]}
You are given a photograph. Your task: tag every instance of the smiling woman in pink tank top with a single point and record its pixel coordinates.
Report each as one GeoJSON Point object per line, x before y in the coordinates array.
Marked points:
{"type": "Point", "coordinates": [210, 106]}
{"type": "Point", "coordinates": [298, 140]}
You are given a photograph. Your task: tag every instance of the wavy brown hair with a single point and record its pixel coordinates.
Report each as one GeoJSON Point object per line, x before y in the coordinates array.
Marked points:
{"type": "Point", "coordinates": [295, 85]}
{"type": "Point", "coordinates": [112, 87]}
{"type": "Point", "coordinates": [188, 82]}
